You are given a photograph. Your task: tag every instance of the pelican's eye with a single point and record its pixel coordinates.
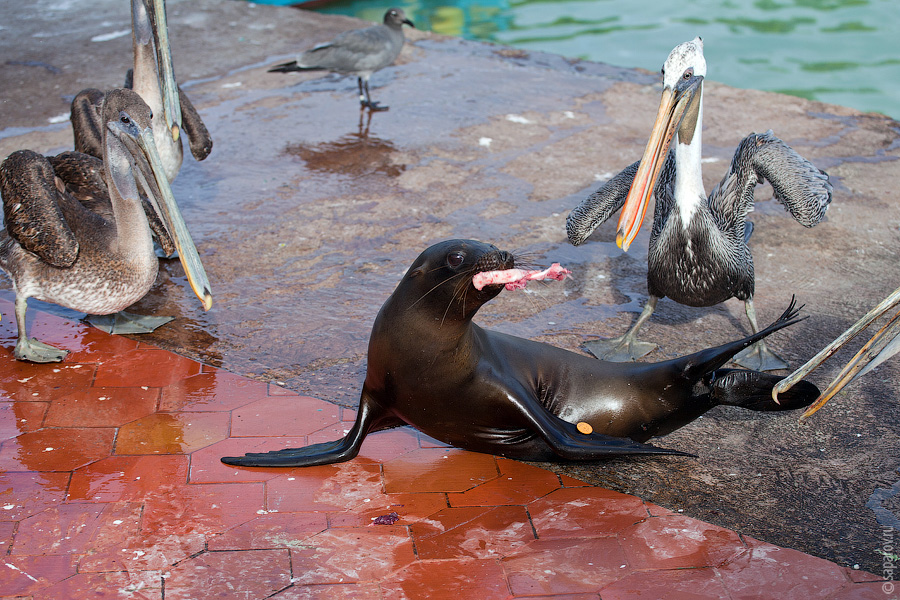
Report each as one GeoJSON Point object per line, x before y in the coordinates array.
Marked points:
{"type": "Point", "coordinates": [124, 118]}
{"type": "Point", "coordinates": [688, 73]}
{"type": "Point", "coordinates": [454, 259]}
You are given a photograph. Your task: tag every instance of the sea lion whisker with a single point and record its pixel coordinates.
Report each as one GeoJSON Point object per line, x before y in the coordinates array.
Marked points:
{"type": "Point", "coordinates": [462, 287]}
{"type": "Point", "coordinates": [439, 284]}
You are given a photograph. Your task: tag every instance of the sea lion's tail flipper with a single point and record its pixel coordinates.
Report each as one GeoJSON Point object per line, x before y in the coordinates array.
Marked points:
{"type": "Point", "coordinates": [607, 445]}
{"type": "Point", "coordinates": [698, 365]}
{"type": "Point", "coordinates": [753, 390]}
{"type": "Point", "coordinates": [572, 443]}
{"type": "Point", "coordinates": [370, 417]}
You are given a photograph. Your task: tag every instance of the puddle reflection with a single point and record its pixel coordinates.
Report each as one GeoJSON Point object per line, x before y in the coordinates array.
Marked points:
{"type": "Point", "coordinates": [357, 153]}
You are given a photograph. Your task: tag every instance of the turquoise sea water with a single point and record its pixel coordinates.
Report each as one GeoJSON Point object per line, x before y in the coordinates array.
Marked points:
{"type": "Point", "coordinates": [838, 51]}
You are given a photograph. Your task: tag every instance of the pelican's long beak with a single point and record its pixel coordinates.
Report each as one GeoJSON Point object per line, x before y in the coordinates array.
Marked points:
{"type": "Point", "coordinates": [167, 84]}
{"type": "Point", "coordinates": [672, 108]}
{"type": "Point", "coordinates": [883, 345]}
{"type": "Point", "coordinates": [163, 201]}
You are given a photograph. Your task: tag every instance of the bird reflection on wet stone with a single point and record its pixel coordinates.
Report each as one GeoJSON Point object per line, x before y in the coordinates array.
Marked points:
{"type": "Point", "coordinates": [357, 153]}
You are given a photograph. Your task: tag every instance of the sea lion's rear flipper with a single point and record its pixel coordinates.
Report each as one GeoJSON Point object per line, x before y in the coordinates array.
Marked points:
{"type": "Point", "coordinates": [698, 365]}
{"type": "Point", "coordinates": [570, 443]}
{"type": "Point", "coordinates": [574, 445]}
{"type": "Point", "coordinates": [370, 417]}
{"type": "Point", "coordinates": [753, 390]}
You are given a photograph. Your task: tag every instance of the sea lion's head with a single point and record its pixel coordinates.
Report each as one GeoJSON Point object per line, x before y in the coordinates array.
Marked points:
{"type": "Point", "coordinates": [440, 279]}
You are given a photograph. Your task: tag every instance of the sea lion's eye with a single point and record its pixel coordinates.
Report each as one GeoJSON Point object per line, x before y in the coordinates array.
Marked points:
{"type": "Point", "coordinates": [454, 259]}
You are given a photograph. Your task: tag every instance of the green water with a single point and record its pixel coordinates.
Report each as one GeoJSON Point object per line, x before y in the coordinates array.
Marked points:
{"type": "Point", "coordinates": [838, 51]}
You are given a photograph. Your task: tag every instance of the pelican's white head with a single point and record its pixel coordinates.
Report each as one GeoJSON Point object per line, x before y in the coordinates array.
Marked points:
{"type": "Point", "coordinates": [683, 59]}
{"type": "Point", "coordinates": [680, 114]}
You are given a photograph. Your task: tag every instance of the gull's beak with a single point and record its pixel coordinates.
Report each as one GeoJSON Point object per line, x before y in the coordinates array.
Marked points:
{"type": "Point", "coordinates": [883, 345]}
{"type": "Point", "coordinates": [163, 201]}
{"type": "Point", "coordinates": [672, 108]}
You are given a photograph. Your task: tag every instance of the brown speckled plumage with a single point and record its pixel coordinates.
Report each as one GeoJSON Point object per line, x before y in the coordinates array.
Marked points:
{"type": "Point", "coordinates": [76, 231]}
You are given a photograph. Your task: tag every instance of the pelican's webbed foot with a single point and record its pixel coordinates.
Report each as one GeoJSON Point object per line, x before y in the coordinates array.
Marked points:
{"type": "Point", "coordinates": [36, 351]}
{"type": "Point", "coordinates": [625, 348]}
{"type": "Point", "coordinates": [123, 322]}
{"type": "Point", "coordinates": [758, 357]}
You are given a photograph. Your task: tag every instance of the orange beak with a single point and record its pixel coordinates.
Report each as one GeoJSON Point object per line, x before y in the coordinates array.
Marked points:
{"type": "Point", "coordinates": [672, 107]}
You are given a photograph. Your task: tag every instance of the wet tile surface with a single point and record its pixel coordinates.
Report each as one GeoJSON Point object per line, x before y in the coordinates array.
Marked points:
{"type": "Point", "coordinates": [111, 485]}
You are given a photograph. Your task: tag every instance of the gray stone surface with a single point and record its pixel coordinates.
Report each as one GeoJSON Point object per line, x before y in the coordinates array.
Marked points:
{"type": "Point", "coordinates": [306, 216]}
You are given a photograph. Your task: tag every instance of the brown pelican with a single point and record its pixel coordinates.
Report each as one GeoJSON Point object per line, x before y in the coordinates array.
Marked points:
{"type": "Point", "coordinates": [76, 232]}
{"type": "Point", "coordinates": [153, 78]}
{"type": "Point", "coordinates": [698, 246]}
{"type": "Point", "coordinates": [883, 345]}
{"type": "Point", "coordinates": [360, 52]}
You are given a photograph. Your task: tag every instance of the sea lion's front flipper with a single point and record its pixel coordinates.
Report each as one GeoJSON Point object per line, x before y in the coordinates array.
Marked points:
{"type": "Point", "coordinates": [370, 417]}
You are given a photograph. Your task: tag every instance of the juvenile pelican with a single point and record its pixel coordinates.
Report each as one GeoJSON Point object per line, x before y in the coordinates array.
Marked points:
{"type": "Point", "coordinates": [883, 345]}
{"type": "Point", "coordinates": [76, 232]}
{"type": "Point", "coordinates": [153, 78]}
{"type": "Point", "coordinates": [698, 246]}
{"type": "Point", "coordinates": [360, 52]}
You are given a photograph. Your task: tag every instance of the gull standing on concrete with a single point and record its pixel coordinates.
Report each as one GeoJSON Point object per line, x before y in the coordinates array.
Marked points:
{"type": "Point", "coordinates": [698, 246]}
{"type": "Point", "coordinates": [360, 52]}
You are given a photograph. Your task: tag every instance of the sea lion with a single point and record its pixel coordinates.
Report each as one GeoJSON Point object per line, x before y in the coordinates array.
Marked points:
{"type": "Point", "coordinates": [431, 367]}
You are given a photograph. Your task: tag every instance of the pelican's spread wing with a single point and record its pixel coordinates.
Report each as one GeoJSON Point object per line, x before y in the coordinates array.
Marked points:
{"type": "Point", "coordinates": [31, 197]}
{"type": "Point", "coordinates": [599, 206]}
{"type": "Point", "coordinates": [799, 185]}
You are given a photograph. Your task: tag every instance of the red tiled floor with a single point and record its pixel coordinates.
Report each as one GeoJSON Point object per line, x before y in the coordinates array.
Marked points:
{"type": "Point", "coordinates": [581, 512]}
{"type": "Point", "coordinates": [283, 415]}
{"type": "Point", "coordinates": [61, 449]}
{"type": "Point", "coordinates": [325, 488]}
{"type": "Point", "coordinates": [211, 390]}
{"type": "Point", "coordinates": [517, 483]}
{"type": "Point", "coordinates": [111, 486]}
{"type": "Point", "coordinates": [172, 433]}
{"type": "Point", "coordinates": [118, 478]}
{"type": "Point", "coordinates": [352, 554]}
{"type": "Point", "coordinates": [142, 585]}
{"type": "Point", "coordinates": [21, 417]}
{"type": "Point", "coordinates": [479, 532]}
{"type": "Point", "coordinates": [438, 470]}
{"type": "Point", "coordinates": [247, 574]}
{"type": "Point", "coordinates": [102, 407]}
{"type": "Point", "coordinates": [677, 584]}
{"type": "Point", "coordinates": [565, 566]}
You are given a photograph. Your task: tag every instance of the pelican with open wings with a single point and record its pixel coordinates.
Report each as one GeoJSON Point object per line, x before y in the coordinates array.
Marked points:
{"type": "Point", "coordinates": [698, 245]}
